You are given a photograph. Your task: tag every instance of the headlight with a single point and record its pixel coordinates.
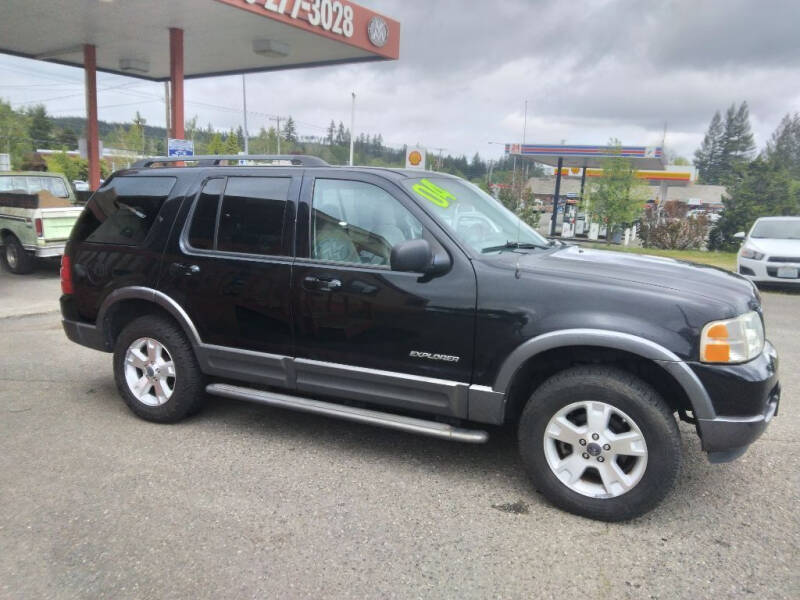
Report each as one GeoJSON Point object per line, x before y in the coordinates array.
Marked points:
{"type": "Point", "coordinates": [750, 253]}
{"type": "Point", "coordinates": [733, 340]}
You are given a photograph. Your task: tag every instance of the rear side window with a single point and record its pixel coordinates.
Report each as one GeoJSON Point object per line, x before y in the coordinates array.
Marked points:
{"type": "Point", "coordinates": [250, 220]}
{"type": "Point", "coordinates": [123, 211]}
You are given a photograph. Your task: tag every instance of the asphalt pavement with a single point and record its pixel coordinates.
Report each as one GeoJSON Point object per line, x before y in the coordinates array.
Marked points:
{"type": "Point", "coordinates": [244, 501]}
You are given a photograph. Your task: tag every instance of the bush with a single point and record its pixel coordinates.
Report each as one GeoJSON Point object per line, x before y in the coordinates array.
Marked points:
{"type": "Point", "coordinates": [673, 230]}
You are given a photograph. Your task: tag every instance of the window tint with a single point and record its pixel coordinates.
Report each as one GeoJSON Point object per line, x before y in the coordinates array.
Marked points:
{"type": "Point", "coordinates": [204, 219]}
{"type": "Point", "coordinates": [251, 219]}
{"type": "Point", "coordinates": [358, 222]}
{"type": "Point", "coordinates": [123, 210]}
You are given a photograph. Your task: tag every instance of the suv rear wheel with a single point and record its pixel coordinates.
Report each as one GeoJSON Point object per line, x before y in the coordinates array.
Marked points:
{"type": "Point", "coordinates": [156, 370]}
{"type": "Point", "coordinates": [14, 256]}
{"type": "Point", "coordinates": [600, 442]}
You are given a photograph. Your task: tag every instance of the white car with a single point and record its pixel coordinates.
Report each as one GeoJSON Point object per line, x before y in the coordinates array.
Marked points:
{"type": "Point", "coordinates": [771, 251]}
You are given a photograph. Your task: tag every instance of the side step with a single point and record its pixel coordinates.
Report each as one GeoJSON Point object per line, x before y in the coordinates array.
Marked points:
{"type": "Point", "coordinates": [350, 413]}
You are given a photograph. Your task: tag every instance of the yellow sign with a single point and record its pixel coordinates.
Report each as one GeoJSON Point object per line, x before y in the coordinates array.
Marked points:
{"type": "Point", "coordinates": [430, 191]}
{"type": "Point", "coordinates": [415, 158]}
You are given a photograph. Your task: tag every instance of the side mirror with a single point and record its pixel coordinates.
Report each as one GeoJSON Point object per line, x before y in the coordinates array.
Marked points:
{"type": "Point", "coordinates": [416, 256]}
{"type": "Point", "coordinates": [740, 235]}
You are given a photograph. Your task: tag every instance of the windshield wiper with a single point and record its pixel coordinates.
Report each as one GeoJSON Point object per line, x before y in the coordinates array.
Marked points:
{"type": "Point", "coordinates": [514, 246]}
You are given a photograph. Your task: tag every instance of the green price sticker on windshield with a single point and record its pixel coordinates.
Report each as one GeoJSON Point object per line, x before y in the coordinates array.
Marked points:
{"type": "Point", "coordinates": [430, 191]}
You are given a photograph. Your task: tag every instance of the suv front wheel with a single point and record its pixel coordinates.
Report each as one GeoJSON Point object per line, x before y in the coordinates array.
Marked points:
{"type": "Point", "coordinates": [156, 371]}
{"type": "Point", "coordinates": [599, 442]}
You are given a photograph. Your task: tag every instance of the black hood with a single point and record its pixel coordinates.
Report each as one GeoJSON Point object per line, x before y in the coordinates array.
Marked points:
{"type": "Point", "coordinates": [711, 283]}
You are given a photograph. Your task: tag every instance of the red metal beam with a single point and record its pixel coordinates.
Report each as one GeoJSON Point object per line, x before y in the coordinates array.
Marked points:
{"type": "Point", "coordinates": [176, 80]}
{"type": "Point", "coordinates": [92, 137]}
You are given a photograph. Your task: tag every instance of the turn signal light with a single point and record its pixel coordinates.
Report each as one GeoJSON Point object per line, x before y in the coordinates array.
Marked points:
{"type": "Point", "coordinates": [732, 340]}
{"type": "Point", "coordinates": [66, 275]}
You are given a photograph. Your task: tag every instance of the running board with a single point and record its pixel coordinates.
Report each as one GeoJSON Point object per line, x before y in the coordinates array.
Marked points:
{"type": "Point", "coordinates": [350, 413]}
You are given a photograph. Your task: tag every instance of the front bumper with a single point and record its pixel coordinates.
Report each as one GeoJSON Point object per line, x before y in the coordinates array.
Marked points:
{"type": "Point", "coordinates": [761, 271]}
{"type": "Point", "coordinates": [745, 399]}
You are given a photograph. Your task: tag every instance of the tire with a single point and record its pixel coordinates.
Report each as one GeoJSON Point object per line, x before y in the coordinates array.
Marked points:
{"type": "Point", "coordinates": [608, 478]}
{"type": "Point", "coordinates": [170, 394]}
{"type": "Point", "coordinates": [14, 257]}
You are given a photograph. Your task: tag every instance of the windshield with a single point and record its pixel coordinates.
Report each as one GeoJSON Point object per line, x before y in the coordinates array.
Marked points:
{"type": "Point", "coordinates": [788, 229]}
{"type": "Point", "coordinates": [472, 215]}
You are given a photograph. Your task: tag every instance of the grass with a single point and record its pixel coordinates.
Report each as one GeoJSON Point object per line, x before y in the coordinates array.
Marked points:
{"type": "Point", "coordinates": [724, 260]}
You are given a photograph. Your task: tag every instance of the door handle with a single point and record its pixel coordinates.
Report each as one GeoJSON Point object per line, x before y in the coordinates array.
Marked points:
{"type": "Point", "coordinates": [322, 284]}
{"type": "Point", "coordinates": [184, 269]}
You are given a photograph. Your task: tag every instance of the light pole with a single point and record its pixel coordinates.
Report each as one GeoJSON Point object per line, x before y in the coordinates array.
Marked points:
{"type": "Point", "coordinates": [352, 126]}
{"type": "Point", "coordinates": [244, 116]}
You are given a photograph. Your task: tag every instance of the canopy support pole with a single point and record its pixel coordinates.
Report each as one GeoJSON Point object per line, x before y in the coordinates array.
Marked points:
{"type": "Point", "coordinates": [176, 81]}
{"type": "Point", "coordinates": [92, 136]}
{"type": "Point", "coordinates": [557, 191]}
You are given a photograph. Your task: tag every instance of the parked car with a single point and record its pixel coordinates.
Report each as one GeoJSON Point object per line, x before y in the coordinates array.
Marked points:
{"type": "Point", "coordinates": [770, 252]}
{"type": "Point", "coordinates": [353, 292]}
{"type": "Point", "coordinates": [37, 212]}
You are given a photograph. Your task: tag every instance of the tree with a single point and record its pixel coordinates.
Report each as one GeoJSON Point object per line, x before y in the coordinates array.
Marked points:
{"type": "Point", "coordinates": [231, 144]}
{"type": "Point", "coordinates": [340, 139]}
{"type": "Point", "coordinates": [331, 133]}
{"type": "Point", "coordinates": [618, 196]}
{"type": "Point", "coordinates": [14, 138]}
{"type": "Point", "coordinates": [40, 128]}
{"type": "Point", "coordinates": [757, 189]}
{"type": "Point", "coordinates": [707, 157]}
{"type": "Point", "coordinates": [216, 145]}
{"type": "Point", "coordinates": [783, 149]}
{"type": "Point", "coordinates": [67, 139]}
{"type": "Point", "coordinates": [738, 145]}
{"type": "Point", "coordinates": [290, 131]}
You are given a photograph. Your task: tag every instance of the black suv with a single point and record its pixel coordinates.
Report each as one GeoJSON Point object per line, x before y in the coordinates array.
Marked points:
{"type": "Point", "coordinates": [415, 301]}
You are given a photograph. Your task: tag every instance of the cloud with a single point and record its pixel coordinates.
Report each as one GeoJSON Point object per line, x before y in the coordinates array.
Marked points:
{"type": "Point", "coordinates": [590, 70]}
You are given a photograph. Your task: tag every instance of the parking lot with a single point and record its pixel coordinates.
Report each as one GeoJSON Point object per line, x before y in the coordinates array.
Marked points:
{"type": "Point", "coordinates": [248, 501]}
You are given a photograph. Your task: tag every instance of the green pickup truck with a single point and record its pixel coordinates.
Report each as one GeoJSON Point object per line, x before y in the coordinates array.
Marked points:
{"type": "Point", "coordinates": [37, 212]}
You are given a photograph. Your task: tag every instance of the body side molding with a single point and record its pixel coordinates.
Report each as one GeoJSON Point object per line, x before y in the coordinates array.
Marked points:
{"type": "Point", "coordinates": [668, 360]}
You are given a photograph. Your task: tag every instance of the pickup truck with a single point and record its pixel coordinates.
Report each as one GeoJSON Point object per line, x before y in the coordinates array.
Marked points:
{"type": "Point", "coordinates": [37, 212]}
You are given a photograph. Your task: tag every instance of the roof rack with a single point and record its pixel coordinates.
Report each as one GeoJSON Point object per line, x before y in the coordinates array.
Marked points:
{"type": "Point", "coordinates": [212, 160]}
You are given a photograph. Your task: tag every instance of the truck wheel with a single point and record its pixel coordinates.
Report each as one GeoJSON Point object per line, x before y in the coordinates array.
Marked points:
{"type": "Point", "coordinates": [156, 370]}
{"type": "Point", "coordinates": [14, 256]}
{"type": "Point", "coordinates": [600, 443]}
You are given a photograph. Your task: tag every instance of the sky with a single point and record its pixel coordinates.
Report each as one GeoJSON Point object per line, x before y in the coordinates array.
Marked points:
{"type": "Point", "coordinates": [590, 70]}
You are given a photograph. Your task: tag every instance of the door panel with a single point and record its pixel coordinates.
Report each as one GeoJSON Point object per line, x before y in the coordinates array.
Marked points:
{"type": "Point", "coordinates": [412, 330]}
{"type": "Point", "coordinates": [230, 265]}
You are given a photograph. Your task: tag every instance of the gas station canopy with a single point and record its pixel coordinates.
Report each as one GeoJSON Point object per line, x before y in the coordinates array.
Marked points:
{"type": "Point", "coordinates": [641, 157]}
{"type": "Point", "coordinates": [220, 36]}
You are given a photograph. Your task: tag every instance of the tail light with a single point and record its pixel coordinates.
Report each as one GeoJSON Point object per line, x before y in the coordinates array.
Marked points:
{"type": "Point", "coordinates": [66, 275]}
{"type": "Point", "coordinates": [39, 228]}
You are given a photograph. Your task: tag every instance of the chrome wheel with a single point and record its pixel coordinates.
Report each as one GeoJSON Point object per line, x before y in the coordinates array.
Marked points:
{"type": "Point", "coordinates": [149, 371]}
{"type": "Point", "coordinates": [595, 449]}
{"type": "Point", "coordinates": [11, 255]}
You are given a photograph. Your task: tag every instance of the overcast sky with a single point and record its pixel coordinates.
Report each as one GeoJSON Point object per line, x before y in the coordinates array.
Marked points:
{"type": "Point", "coordinates": [590, 70]}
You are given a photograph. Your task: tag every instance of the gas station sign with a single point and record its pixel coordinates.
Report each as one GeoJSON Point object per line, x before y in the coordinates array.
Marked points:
{"type": "Point", "coordinates": [180, 147]}
{"type": "Point", "coordinates": [415, 158]}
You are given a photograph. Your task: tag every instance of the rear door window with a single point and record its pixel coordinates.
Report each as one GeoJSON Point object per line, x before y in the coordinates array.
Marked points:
{"type": "Point", "coordinates": [250, 220]}
{"type": "Point", "coordinates": [123, 211]}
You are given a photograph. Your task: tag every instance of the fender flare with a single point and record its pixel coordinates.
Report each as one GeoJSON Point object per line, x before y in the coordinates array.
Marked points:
{"type": "Point", "coordinates": [150, 295]}
{"type": "Point", "coordinates": [668, 360]}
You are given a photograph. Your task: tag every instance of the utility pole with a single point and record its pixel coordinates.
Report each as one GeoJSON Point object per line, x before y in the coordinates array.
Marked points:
{"type": "Point", "coordinates": [244, 116]}
{"type": "Point", "coordinates": [352, 126]}
{"type": "Point", "coordinates": [278, 121]}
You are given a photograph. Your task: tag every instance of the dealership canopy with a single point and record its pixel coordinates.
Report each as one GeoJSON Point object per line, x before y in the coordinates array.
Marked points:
{"type": "Point", "coordinates": [169, 40]}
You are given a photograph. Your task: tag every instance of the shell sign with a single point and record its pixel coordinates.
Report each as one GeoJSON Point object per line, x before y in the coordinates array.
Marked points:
{"type": "Point", "coordinates": [415, 158]}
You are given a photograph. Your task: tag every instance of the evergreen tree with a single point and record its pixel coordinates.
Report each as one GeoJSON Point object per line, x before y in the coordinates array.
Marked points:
{"type": "Point", "coordinates": [738, 145]}
{"type": "Point", "coordinates": [756, 189]}
{"type": "Point", "coordinates": [290, 131]}
{"type": "Point", "coordinates": [707, 157]}
{"type": "Point", "coordinates": [40, 128]}
{"type": "Point", "coordinates": [67, 139]}
{"type": "Point", "coordinates": [331, 133]}
{"type": "Point", "coordinates": [340, 135]}
{"type": "Point", "coordinates": [231, 143]}
{"type": "Point", "coordinates": [783, 149]}
{"type": "Point", "coordinates": [216, 145]}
